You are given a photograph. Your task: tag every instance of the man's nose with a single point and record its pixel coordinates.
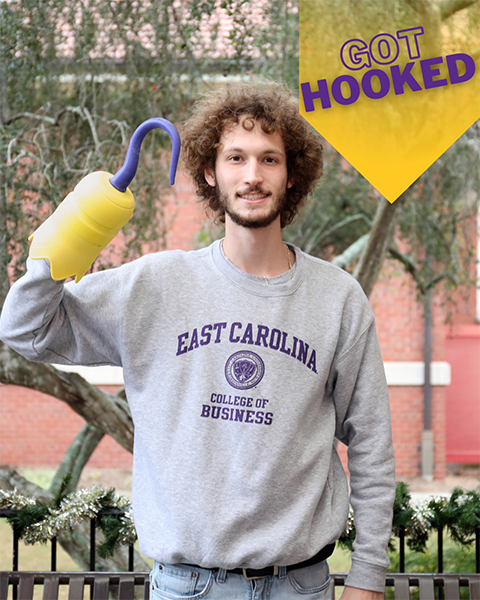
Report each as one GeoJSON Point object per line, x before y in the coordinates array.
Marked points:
{"type": "Point", "coordinates": [253, 173]}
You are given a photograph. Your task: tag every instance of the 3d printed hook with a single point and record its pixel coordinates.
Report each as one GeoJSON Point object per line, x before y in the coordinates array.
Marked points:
{"type": "Point", "coordinates": [125, 175]}
{"type": "Point", "coordinates": [92, 215]}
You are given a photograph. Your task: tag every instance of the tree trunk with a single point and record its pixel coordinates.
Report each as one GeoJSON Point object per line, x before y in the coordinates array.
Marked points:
{"type": "Point", "coordinates": [76, 457]}
{"type": "Point", "coordinates": [380, 237]}
{"type": "Point", "coordinates": [432, 14]}
{"type": "Point", "coordinates": [4, 259]}
{"type": "Point", "coordinates": [110, 413]}
{"type": "Point", "coordinates": [3, 86]}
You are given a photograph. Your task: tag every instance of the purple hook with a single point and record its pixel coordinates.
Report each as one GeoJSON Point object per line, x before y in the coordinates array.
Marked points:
{"type": "Point", "coordinates": [122, 179]}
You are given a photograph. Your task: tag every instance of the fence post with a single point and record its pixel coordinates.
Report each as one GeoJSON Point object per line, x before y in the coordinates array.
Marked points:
{"type": "Point", "coordinates": [401, 536]}
{"type": "Point", "coordinates": [477, 549]}
{"type": "Point", "coordinates": [16, 538]}
{"type": "Point", "coordinates": [440, 558]}
{"type": "Point", "coordinates": [440, 550]}
{"type": "Point", "coordinates": [93, 522]}
{"type": "Point", "coordinates": [53, 562]}
{"type": "Point", "coordinates": [130, 557]}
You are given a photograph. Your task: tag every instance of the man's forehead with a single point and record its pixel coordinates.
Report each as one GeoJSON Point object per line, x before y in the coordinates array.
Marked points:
{"type": "Point", "coordinates": [248, 125]}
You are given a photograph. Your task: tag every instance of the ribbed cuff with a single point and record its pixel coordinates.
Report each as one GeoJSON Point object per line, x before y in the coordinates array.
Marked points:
{"type": "Point", "coordinates": [366, 576]}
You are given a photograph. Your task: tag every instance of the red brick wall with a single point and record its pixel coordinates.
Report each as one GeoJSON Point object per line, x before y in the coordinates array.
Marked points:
{"type": "Point", "coordinates": [407, 419]}
{"type": "Point", "coordinates": [184, 216]}
{"type": "Point", "coordinates": [399, 318]}
{"type": "Point", "coordinates": [36, 430]}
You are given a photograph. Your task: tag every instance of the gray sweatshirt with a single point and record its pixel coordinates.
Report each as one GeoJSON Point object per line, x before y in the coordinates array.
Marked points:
{"type": "Point", "coordinates": [237, 391]}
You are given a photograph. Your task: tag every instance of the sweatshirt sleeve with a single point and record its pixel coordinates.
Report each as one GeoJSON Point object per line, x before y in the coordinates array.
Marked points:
{"type": "Point", "coordinates": [364, 425]}
{"type": "Point", "coordinates": [74, 323]}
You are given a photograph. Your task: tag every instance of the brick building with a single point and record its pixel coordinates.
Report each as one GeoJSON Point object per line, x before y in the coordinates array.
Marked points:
{"type": "Point", "coordinates": [36, 429]}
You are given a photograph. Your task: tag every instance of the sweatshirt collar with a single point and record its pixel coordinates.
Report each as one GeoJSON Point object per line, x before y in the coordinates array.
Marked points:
{"type": "Point", "coordinates": [281, 285]}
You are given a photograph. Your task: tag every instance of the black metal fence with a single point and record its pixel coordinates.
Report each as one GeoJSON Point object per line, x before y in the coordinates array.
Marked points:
{"type": "Point", "coordinates": [402, 545]}
{"type": "Point", "coordinates": [53, 545]}
{"type": "Point", "coordinates": [115, 511]}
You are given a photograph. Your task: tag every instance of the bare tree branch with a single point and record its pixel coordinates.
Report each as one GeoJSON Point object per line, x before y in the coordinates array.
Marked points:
{"type": "Point", "coordinates": [29, 115]}
{"type": "Point", "coordinates": [448, 7]}
{"type": "Point", "coordinates": [409, 264]}
{"type": "Point", "coordinates": [410, 267]}
{"type": "Point", "coordinates": [352, 252]}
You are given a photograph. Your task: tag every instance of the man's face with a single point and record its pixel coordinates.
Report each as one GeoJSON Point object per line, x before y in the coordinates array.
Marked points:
{"type": "Point", "coordinates": [250, 176]}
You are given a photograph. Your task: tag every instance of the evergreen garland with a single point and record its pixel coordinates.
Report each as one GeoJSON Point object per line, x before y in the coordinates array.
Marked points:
{"type": "Point", "coordinates": [36, 522]}
{"type": "Point", "coordinates": [348, 536]}
{"type": "Point", "coordinates": [112, 527]}
{"type": "Point", "coordinates": [465, 505]}
{"type": "Point", "coordinates": [459, 514]}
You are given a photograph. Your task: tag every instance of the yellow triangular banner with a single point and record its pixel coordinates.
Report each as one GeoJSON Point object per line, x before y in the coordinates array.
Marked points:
{"type": "Point", "coordinates": [391, 96]}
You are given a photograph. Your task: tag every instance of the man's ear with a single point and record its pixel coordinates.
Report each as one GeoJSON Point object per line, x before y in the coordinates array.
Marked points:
{"type": "Point", "coordinates": [290, 182]}
{"type": "Point", "coordinates": [209, 175]}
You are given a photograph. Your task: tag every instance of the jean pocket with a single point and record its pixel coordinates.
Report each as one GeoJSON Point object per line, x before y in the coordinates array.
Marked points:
{"type": "Point", "coordinates": [310, 580]}
{"type": "Point", "coordinates": [169, 582]}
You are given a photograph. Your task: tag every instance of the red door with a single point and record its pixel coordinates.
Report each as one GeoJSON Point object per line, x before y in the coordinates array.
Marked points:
{"type": "Point", "coordinates": [463, 396]}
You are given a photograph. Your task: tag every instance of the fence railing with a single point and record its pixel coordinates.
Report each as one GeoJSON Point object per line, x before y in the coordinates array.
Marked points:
{"type": "Point", "coordinates": [131, 586]}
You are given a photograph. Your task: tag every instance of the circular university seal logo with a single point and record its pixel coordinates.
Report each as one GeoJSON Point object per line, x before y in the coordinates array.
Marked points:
{"type": "Point", "coordinates": [244, 370]}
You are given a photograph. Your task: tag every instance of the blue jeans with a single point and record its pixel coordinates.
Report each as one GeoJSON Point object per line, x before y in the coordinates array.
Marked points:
{"type": "Point", "coordinates": [170, 582]}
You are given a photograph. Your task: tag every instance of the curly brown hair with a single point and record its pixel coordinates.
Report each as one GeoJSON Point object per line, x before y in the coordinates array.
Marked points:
{"type": "Point", "coordinates": [273, 106]}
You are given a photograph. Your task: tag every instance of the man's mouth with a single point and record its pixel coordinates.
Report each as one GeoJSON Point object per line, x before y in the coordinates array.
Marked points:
{"type": "Point", "coordinates": [252, 196]}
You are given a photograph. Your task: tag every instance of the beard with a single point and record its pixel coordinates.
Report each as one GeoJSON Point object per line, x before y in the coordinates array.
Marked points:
{"type": "Point", "coordinates": [253, 221]}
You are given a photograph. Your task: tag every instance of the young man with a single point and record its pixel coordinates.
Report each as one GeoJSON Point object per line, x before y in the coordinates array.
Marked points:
{"type": "Point", "coordinates": [242, 363]}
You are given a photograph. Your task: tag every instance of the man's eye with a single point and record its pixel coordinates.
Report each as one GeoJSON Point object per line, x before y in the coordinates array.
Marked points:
{"type": "Point", "coordinates": [270, 159]}
{"type": "Point", "coordinates": [235, 158]}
